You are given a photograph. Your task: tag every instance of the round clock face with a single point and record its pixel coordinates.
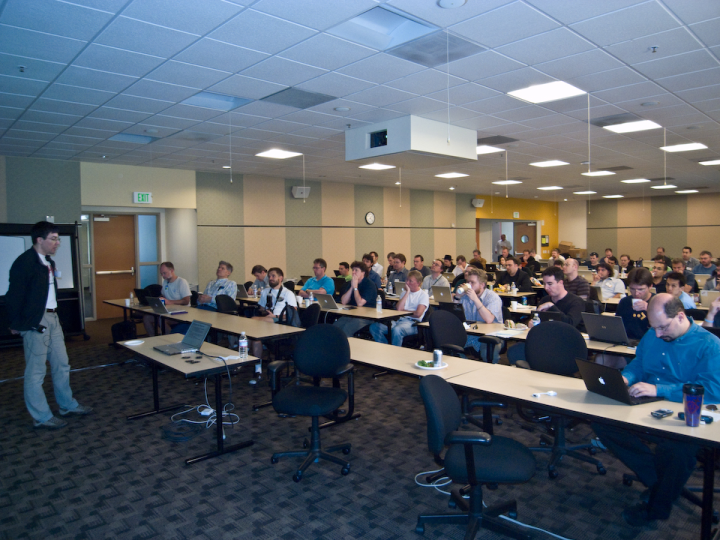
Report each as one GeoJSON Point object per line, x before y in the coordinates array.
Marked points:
{"type": "Point", "coordinates": [370, 218]}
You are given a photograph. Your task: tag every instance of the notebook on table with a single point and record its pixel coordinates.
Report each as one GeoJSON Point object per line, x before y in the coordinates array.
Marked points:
{"type": "Point", "coordinates": [326, 301]}
{"type": "Point", "coordinates": [607, 329]}
{"type": "Point", "coordinates": [608, 382]}
{"type": "Point", "coordinates": [442, 294]}
{"type": "Point", "coordinates": [160, 308]}
{"type": "Point", "coordinates": [191, 342]}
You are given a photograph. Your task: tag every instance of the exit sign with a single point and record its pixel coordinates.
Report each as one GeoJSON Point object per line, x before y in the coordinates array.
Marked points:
{"type": "Point", "coordinates": [142, 198]}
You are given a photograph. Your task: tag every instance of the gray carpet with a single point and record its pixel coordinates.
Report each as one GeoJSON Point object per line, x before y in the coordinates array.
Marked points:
{"type": "Point", "coordinates": [106, 477]}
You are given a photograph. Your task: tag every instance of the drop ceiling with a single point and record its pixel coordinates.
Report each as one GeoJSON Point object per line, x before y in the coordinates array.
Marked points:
{"type": "Point", "coordinates": [75, 73]}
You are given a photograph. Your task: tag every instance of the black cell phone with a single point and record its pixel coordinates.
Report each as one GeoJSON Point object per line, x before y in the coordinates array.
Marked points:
{"type": "Point", "coordinates": [662, 413]}
{"type": "Point", "coordinates": [706, 419]}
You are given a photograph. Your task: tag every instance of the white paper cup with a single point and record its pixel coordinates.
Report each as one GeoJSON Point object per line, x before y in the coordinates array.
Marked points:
{"type": "Point", "coordinates": [127, 302]}
{"type": "Point", "coordinates": [514, 304]}
{"type": "Point", "coordinates": [299, 300]}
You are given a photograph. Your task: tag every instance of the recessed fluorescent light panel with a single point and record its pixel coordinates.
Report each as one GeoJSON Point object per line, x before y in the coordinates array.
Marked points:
{"type": "Point", "coordinates": [685, 191]}
{"type": "Point", "coordinates": [376, 166]}
{"type": "Point", "coordinates": [220, 102]}
{"type": "Point", "coordinates": [664, 186]}
{"type": "Point", "coordinates": [635, 181]}
{"type": "Point", "coordinates": [398, 183]}
{"type": "Point", "coordinates": [629, 127]}
{"type": "Point", "coordinates": [275, 153]}
{"type": "Point", "coordinates": [451, 175]}
{"type": "Point", "coordinates": [684, 147]}
{"type": "Point", "coordinates": [613, 196]}
{"type": "Point", "coordinates": [713, 162]}
{"type": "Point", "coordinates": [381, 29]}
{"type": "Point", "coordinates": [584, 192]}
{"type": "Point", "coordinates": [452, 188]}
{"type": "Point", "coordinates": [507, 182]}
{"type": "Point", "coordinates": [549, 188]}
{"type": "Point", "coordinates": [227, 167]}
{"type": "Point", "coordinates": [542, 93]}
{"type": "Point", "coordinates": [485, 149]}
{"type": "Point", "coordinates": [130, 138]}
{"type": "Point", "coordinates": [598, 173]}
{"type": "Point", "coordinates": [550, 163]}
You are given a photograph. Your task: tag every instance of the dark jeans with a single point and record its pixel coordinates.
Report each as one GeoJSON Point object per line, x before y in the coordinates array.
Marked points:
{"type": "Point", "coordinates": [664, 471]}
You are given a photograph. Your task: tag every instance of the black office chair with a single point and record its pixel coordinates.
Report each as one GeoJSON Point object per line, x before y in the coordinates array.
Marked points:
{"type": "Point", "coordinates": [473, 458]}
{"type": "Point", "coordinates": [552, 347]}
{"type": "Point", "coordinates": [322, 351]}
{"type": "Point", "coordinates": [713, 330]}
{"type": "Point", "coordinates": [226, 304]}
{"type": "Point", "coordinates": [696, 314]}
{"type": "Point", "coordinates": [248, 285]}
{"type": "Point", "coordinates": [154, 290]}
{"type": "Point", "coordinates": [290, 286]}
{"type": "Point", "coordinates": [193, 298]}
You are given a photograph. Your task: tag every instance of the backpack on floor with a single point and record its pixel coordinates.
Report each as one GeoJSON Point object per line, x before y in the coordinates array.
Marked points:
{"type": "Point", "coordinates": [123, 331]}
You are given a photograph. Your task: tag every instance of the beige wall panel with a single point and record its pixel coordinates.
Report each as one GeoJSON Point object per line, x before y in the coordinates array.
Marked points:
{"type": "Point", "coordinates": [395, 215]}
{"type": "Point", "coordinates": [338, 245]}
{"type": "Point", "coordinates": [266, 246]}
{"type": "Point", "coordinates": [445, 208]}
{"type": "Point", "coordinates": [338, 203]}
{"type": "Point", "coordinates": [103, 184]}
{"type": "Point", "coordinates": [446, 244]}
{"type": "Point", "coordinates": [702, 209]}
{"type": "Point", "coordinates": [634, 242]}
{"type": "Point", "coordinates": [397, 240]}
{"type": "Point", "coordinates": [264, 201]}
{"type": "Point", "coordinates": [704, 238]}
{"type": "Point", "coordinates": [634, 212]}
{"type": "Point", "coordinates": [217, 244]}
{"type": "Point", "coordinates": [572, 222]}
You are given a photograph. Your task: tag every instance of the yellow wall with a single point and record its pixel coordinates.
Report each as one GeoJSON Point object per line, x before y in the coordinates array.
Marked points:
{"type": "Point", "coordinates": [502, 209]}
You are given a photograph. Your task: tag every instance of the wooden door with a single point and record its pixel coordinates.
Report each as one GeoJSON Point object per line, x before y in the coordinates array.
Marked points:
{"type": "Point", "coordinates": [114, 248]}
{"type": "Point", "coordinates": [524, 231]}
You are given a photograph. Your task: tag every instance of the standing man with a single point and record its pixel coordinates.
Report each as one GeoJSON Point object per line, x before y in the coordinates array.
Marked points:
{"type": "Point", "coordinates": [502, 243]}
{"type": "Point", "coordinates": [399, 272]}
{"type": "Point", "coordinates": [31, 303]}
{"type": "Point", "coordinates": [222, 285]}
{"type": "Point", "coordinates": [344, 269]}
{"type": "Point", "coordinates": [419, 264]}
{"type": "Point", "coordinates": [675, 353]}
{"type": "Point", "coordinates": [481, 305]}
{"type": "Point", "coordinates": [320, 283]}
{"type": "Point", "coordinates": [674, 285]}
{"type": "Point", "coordinates": [690, 261]}
{"type": "Point", "coordinates": [261, 277]}
{"type": "Point", "coordinates": [175, 292]}
{"type": "Point", "coordinates": [413, 299]}
{"type": "Point", "coordinates": [460, 266]}
{"type": "Point", "coordinates": [376, 267]}
{"type": "Point", "coordinates": [435, 279]}
{"type": "Point", "coordinates": [706, 265]}
{"type": "Point", "coordinates": [610, 287]}
{"type": "Point", "coordinates": [574, 282]}
{"type": "Point", "coordinates": [515, 275]}
{"type": "Point", "coordinates": [373, 276]}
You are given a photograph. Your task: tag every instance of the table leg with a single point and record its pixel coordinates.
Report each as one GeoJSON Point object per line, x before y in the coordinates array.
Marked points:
{"type": "Point", "coordinates": [219, 432]}
{"type": "Point", "coordinates": [708, 494]}
{"type": "Point", "coordinates": [156, 398]}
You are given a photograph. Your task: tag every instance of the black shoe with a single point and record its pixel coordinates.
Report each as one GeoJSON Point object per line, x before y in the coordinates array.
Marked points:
{"type": "Point", "coordinates": [637, 516]}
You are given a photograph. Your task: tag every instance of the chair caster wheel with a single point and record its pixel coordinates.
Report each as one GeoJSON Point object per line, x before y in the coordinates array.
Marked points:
{"type": "Point", "coordinates": [345, 470]}
{"type": "Point", "coordinates": [627, 482]}
{"type": "Point", "coordinates": [513, 514]}
{"type": "Point", "coordinates": [553, 474]}
{"type": "Point", "coordinates": [543, 442]}
{"type": "Point", "coordinates": [452, 504]}
{"type": "Point", "coordinates": [592, 451]}
{"type": "Point", "coordinates": [498, 421]}
{"type": "Point", "coordinates": [305, 443]}
{"type": "Point", "coordinates": [420, 529]}
{"type": "Point", "coordinates": [273, 460]}
{"type": "Point", "coordinates": [601, 470]}
{"type": "Point", "coordinates": [346, 451]}
{"type": "Point", "coordinates": [297, 477]}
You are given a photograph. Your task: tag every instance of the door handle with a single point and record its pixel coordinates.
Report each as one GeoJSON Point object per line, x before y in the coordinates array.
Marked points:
{"type": "Point", "coordinates": [110, 272]}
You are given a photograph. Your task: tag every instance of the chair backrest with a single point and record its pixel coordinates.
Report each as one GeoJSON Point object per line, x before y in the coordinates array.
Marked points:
{"type": "Point", "coordinates": [442, 410]}
{"type": "Point", "coordinates": [696, 314]}
{"type": "Point", "coordinates": [553, 346]}
{"type": "Point", "coordinates": [593, 306]}
{"type": "Point", "coordinates": [310, 316]}
{"type": "Point", "coordinates": [446, 329]}
{"type": "Point", "coordinates": [225, 304]}
{"type": "Point", "coordinates": [193, 298]}
{"type": "Point", "coordinates": [713, 330]}
{"type": "Point", "coordinates": [321, 351]}
{"type": "Point", "coordinates": [153, 290]}
{"type": "Point", "coordinates": [290, 286]}
{"type": "Point", "coordinates": [248, 284]}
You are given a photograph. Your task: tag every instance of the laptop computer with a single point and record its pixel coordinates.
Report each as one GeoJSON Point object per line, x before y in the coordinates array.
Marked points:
{"type": "Point", "coordinates": [608, 382]}
{"type": "Point", "coordinates": [546, 316]}
{"type": "Point", "coordinates": [399, 287]}
{"type": "Point", "coordinates": [607, 329]}
{"type": "Point", "coordinates": [595, 294]}
{"type": "Point", "coordinates": [337, 273]}
{"type": "Point", "coordinates": [192, 341]}
{"type": "Point", "coordinates": [707, 297]}
{"type": "Point", "coordinates": [456, 309]}
{"type": "Point", "coordinates": [141, 297]}
{"type": "Point", "coordinates": [305, 279]}
{"type": "Point", "coordinates": [159, 308]}
{"type": "Point", "coordinates": [442, 294]}
{"type": "Point", "coordinates": [242, 291]}
{"type": "Point", "coordinates": [491, 267]}
{"type": "Point", "coordinates": [449, 276]}
{"type": "Point", "coordinates": [326, 301]}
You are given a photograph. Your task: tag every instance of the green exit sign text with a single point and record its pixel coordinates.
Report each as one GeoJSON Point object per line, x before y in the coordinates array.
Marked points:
{"type": "Point", "coordinates": [142, 198]}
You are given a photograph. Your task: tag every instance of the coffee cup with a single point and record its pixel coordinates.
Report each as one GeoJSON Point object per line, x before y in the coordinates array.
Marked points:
{"type": "Point", "coordinates": [692, 401]}
{"type": "Point", "coordinates": [514, 304]}
{"type": "Point", "coordinates": [127, 302]}
{"type": "Point", "coordinates": [299, 300]}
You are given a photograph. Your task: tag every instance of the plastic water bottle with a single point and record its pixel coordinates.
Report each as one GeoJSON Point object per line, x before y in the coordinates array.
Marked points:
{"type": "Point", "coordinates": [312, 297]}
{"type": "Point", "coordinates": [513, 288]}
{"type": "Point", "coordinates": [243, 346]}
{"type": "Point", "coordinates": [132, 299]}
{"type": "Point", "coordinates": [390, 287]}
{"type": "Point", "coordinates": [378, 304]}
{"type": "Point", "coordinates": [536, 319]}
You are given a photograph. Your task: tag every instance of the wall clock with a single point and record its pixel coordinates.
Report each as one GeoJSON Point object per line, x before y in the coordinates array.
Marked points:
{"type": "Point", "coordinates": [369, 218]}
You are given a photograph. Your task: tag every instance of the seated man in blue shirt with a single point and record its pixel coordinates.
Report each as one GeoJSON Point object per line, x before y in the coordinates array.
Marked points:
{"type": "Point", "coordinates": [320, 283]}
{"type": "Point", "coordinates": [480, 304]}
{"type": "Point", "coordinates": [674, 285]}
{"type": "Point", "coordinates": [706, 265]}
{"type": "Point", "coordinates": [674, 352]}
{"type": "Point", "coordinates": [222, 285]}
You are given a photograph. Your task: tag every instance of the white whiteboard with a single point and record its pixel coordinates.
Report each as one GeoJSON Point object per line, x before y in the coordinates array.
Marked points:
{"type": "Point", "coordinates": [11, 247]}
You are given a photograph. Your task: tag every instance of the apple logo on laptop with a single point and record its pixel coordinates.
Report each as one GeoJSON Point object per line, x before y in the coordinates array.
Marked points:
{"type": "Point", "coordinates": [602, 381]}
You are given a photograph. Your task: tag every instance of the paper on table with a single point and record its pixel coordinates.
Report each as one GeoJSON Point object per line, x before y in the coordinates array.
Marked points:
{"type": "Point", "coordinates": [506, 333]}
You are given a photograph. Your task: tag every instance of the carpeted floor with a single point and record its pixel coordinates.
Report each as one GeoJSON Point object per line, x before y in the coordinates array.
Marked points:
{"type": "Point", "coordinates": [106, 477]}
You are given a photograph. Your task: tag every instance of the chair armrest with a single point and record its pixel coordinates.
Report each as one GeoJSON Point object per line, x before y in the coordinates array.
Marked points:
{"type": "Point", "coordinates": [468, 437]}
{"type": "Point", "coordinates": [490, 340]}
{"type": "Point", "coordinates": [452, 350]}
{"type": "Point", "coordinates": [348, 368]}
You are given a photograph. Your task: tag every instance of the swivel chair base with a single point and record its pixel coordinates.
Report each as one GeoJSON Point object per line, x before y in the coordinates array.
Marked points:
{"type": "Point", "coordinates": [557, 449]}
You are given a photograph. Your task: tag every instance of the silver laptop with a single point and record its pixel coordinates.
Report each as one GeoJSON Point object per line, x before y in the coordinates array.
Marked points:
{"type": "Point", "coordinates": [399, 287]}
{"type": "Point", "coordinates": [326, 301]}
{"type": "Point", "coordinates": [192, 341]}
{"type": "Point", "coordinates": [701, 279]}
{"type": "Point", "coordinates": [607, 329]}
{"type": "Point", "coordinates": [242, 291]}
{"type": "Point", "coordinates": [159, 308]}
{"type": "Point", "coordinates": [442, 294]}
{"type": "Point", "coordinates": [707, 297]}
{"type": "Point", "coordinates": [449, 276]}
{"type": "Point", "coordinates": [608, 382]}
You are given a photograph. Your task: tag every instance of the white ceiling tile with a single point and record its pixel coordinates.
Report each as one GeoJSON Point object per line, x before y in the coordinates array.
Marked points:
{"type": "Point", "coordinates": [138, 104]}
{"type": "Point", "coordinates": [101, 123]}
{"type": "Point", "coordinates": [335, 84]}
{"type": "Point", "coordinates": [10, 112]}
{"type": "Point", "coordinates": [504, 25]}
{"type": "Point", "coordinates": [261, 32]}
{"type": "Point", "coordinates": [381, 68]}
{"type": "Point", "coordinates": [120, 115]}
{"type": "Point", "coordinates": [514, 80]}
{"type": "Point", "coordinates": [380, 96]}
{"type": "Point", "coordinates": [418, 105]}
{"type": "Point", "coordinates": [88, 132]}
{"type": "Point", "coordinates": [38, 45]}
{"type": "Point", "coordinates": [140, 129]}
{"type": "Point", "coordinates": [51, 118]}
{"type": "Point", "coordinates": [708, 31]}
{"type": "Point", "coordinates": [709, 104]}
{"type": "Point", "coordinates": [426, 81]}
{"type": "Point", "coordinates": [39, 70]}
{"type": "Point", "coordinates": [465, 93]}
{"type": "Point", "coordinates": [76, 94]}
{"type": "Point", "coordinates": [315, 13]}
{"type": "Point", "coordinates": [282, 71]}
{"type": "Point", "coordinates": [692, 12]}
{"type": "Point", "coordinates": [677, 65]}
{"type": "Point", "coordinates": [523, 113]}
{"type": "Point", "coordinates": [162, 120]}
{"type": "Point", "coordinates": [495, 104]}
{"type": "Point", "coordinates": [700, 94]}
{"type": "Point", "coordinates": [685, 121]}
{"type": "Point", "coordinates": [613, 78]}
{"type": "Point", "coordinates": [697, 79]}
{"type": "Point", "coordinates": [64, 107]}
{"type": "Point", "coordinates": [377, 115]}
{"type": "Point", "coordinates": [327, 52]}
{"type": "Point", "coordinates": [484, 64]}
{"type": "Point", "coordinates": [279, 126]}
{"type": "Point", "coordinates": [115, 60]}
{"type": "Point", "coordinates": [557, 43]}
{"type": "Point", "coordinates": [15, 100]}
{"type": "Point", "coordinates": [626, 24]}
{"type": "Point", "coordinates": [246, 87]}
{"type": "Point", "coordinates": [456, 114]}
{"type": "Point", "coordinates": [431, 12]}
{"type": "Point", "coordinates": [639, 91]}
{"type": "Point", "coordinates": [185, 15]}
{"type": "Point", "coordinates": [22, 85]}
{"type": "Point", "coordinates": [266, 109]}
{"type": "Point", "coordinates": [580, 64]}
{"type": "Point", "coordinates": [187, 75]}
{"type": "Point", "coordinates": [138, 36]}
{"type": "Point", "coordinates": [571, 11]}
{"type": "Point", "coordinates": [59, 18]}
{"type": "Point", "coordinates": [218, 55]}
{"type": "Point", "coordinates": [92, 78]}
{"type": "Point", "coordinates": [668, 43]}
{"type": "Point", "coordinates": [39, 127]}
{"type": "Point", "coordinates": [160, 90]}
{"type": "Point", "coordinates": [190, 112]}
{"type": "Point", "coordinates": [330, 106]}
{"type": "Point", "coordinates": [481, 123]}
